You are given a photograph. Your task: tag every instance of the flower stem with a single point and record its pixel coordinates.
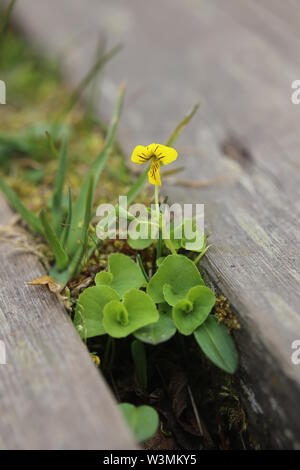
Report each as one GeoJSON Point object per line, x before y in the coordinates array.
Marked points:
{"type": "Point", "coordinates": [161, 222]}
{"type": "Point", "coordinates": [142, 268]}
{"type": "Point", "coordinates": [156, 198]}
{"type": "Point", "coordinates": [156, 194]}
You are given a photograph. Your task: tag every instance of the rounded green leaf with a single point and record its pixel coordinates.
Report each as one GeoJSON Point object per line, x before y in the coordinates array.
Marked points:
{"type": "Point", "coordinates": [160, 331]}
{"type": "Point", "coordinates": [139, 243]}
{"type": "Point", "coordinates": [217, 344]}
{"type": "Point", "coordinates": [191, 312]}
{"type": "Point", "coordinates": [179, 233]}
{"type": "Point", "coordinates": [103, 278]}
{"type": "Point", "coordinates": [177, 272]}
{"type": "Point", "coordinates": [89, 310]}
{"type": "Point", "coordinates": [123, 274]}
{"type": "Point", "coordinates": [142, 420]}
{"type": "Point", "coordinates": [197, 241]}
{"type": "Point", "coordinates": [120, 319]}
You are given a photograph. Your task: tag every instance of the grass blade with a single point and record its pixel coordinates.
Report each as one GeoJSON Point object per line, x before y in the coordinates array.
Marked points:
{"type": "Point", "coordinates": [61, 256]}
{"type": "Point", "coordinates": [29, 217]}
{"type": "Point", "coordinates": [66, 230]}
{"type": "Point", "coordinates": [77, 258]}
{"type": "Point", "coordinates": [57, 209]}
{"type": "Point", "coordinates": [95, 171]}
{"type": "Point", "coordinates": [6, 19]}
{"type": "Point", "coordinates": [100, 62]}
{"type": "Point", "coordinates": [137, 187]}
{"type": "Point", "coordinates": [94, 88]}
{"type": "Point", "coordinates": [179, 128]}
{"type": "Point", "coordinates": [51, 144]}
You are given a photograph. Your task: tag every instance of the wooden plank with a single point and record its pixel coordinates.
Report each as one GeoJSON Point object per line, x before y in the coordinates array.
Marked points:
{"type": "Point", "coordinates": [51, 394]}
{"type": "Point", "coordinates": [239, 58]}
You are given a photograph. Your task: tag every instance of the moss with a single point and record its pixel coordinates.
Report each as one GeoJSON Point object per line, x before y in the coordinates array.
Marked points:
{"type": "Point", "coordinates": [225, 314]}
{"type": "Point", "coordinates": [38, 93]}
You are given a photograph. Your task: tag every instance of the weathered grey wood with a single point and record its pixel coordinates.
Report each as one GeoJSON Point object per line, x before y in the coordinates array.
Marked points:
{"type": "Point", "coordinates": [239, 58]}
{"type": "Point", "coordinates": [51, 394]}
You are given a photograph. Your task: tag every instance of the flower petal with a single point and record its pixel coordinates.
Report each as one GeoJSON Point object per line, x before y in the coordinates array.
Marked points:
{"type": "Point", "coordinates": [154, 173]}
{"type": "Point", "coordinates": [164, 154]}
{"type": "Point", "coordinates": [141, 154]}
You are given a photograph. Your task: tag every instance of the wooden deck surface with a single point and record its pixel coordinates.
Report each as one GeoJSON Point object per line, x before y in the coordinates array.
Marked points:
{"type": "Point", "coordinates": [239, 58]}
{"type": "Point", "coordinates": [51, 395]}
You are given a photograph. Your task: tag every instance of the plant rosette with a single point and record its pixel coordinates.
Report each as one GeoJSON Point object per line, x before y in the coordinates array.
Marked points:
{"type": "Point", "coordinates": [121, 318]}
{"type": "Point", "coordinates": [191, 312]}
{"type": "Point", "coordinates": [89, 310]}
{"type": "Point", "coordinates": [175, 276]}
{"type": "Point", "coordinates": [123, 274]}
{"type": "Point", "coordinates": [160, 331]}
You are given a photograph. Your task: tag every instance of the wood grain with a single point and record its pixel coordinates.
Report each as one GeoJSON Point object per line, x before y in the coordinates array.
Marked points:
{"type": "Point", "coordinates": [239, 59]}
{"type": "Point", "coordinates": [51, 394]}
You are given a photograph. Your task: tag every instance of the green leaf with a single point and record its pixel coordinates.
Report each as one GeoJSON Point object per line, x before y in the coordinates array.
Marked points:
{"type": "Point", "coordinates": [6, 18]}
{"type": "Point", "coordinates": [77, 258]}
{"type": "Point", "coordinates": [137, 187]}
{"type": "Point", "coordinates": [178, 274]}
{"type": "Point", "coordinates": [139, 243]}
{"type": "Point", "coordinates": [158, 332]}
{"type": "Point", "coordinates": [61, 256]}
{"type": "Point", "coordinates": [89, 310]}
{"type": "Point", "coordinates": [140, 361]}
{"type": "Point", "coordinates": [99, 63]}
{"type": "Point", "coordinates": [217, 344]}
{"type": "Point", "coordinates": [123, 274]}
{"type": "Point", "coordinates": [140, 263]}
{"type": "Point", "coordinates": [66, 230]}
{"type": "Point", "coordinates": [95, 172]}
{"type": "Point", "coordinates": [143, 229]}
{"type": "Point", "coordinates": [142, 420]}
{"type": "Point", "coordinates": [120, 319]}
{"type": "Point", "coordinates": [57, 209]}
{"type": "Point", "coordinates": [191, 312]}
{"type": "Point", "coordinates": [60, 276]}
{"type": "Point", "coordinates": [179, 128]}
{"type": "Point", "coordinates": [29, 217]}
{"type": "Point", "coordinates": [179, 233]}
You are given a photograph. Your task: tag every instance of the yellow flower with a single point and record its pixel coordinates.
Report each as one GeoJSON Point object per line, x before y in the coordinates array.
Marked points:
{"type": "Point", "coordinates": [158, 154]}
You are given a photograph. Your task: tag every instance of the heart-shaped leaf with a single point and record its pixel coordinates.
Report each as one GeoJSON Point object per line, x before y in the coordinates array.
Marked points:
{"type": "Point", "coordinates": [142, 420]}
{"type": "Point", "coordinates": [123, 274]}
{"type": "Point", "coordinates": [120, 319]}
{"type": "Point", "coordinates": [217, 344]}
{"type": "Point", "coordinates": [191, 312]}
{"type": "Point", "coordinates": [160, 331]}
{"type": "Point", "coordinates": [143, 229]}
{"type": "Point", "coordinates": [185, 235]}
{"type": "Point", "coordinates": [139, 243]}
{"type": "Point", "coordinates": [89, 310]}
{"type": "Point", "coordinates": [178, 273]}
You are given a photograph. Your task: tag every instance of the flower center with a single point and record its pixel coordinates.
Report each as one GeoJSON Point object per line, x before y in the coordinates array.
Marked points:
{"type": "Point", "coordinates": [186, 306]}
{"type": "Point", "coordinates": [122, 315]}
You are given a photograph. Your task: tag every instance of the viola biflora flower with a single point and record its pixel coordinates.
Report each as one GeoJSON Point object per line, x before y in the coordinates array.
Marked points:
{"type": "Point", "coordinates": [158, 154]}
